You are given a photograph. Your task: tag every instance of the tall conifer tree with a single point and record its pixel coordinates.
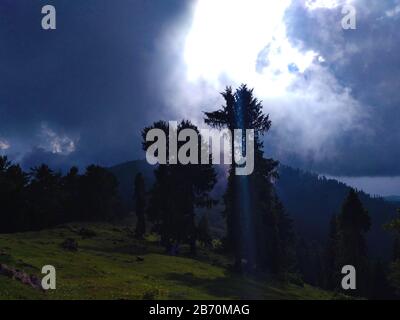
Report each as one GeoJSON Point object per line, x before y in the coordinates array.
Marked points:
{"type": "Point", "coordinates": [140, 204]}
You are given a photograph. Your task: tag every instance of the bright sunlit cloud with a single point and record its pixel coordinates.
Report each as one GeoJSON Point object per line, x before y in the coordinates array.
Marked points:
{"type": "Point", "coordinates": [326, 4]}
{"type": "Point", "coordinates": [55, 143]}
{"type": "Point", "coordinates": [230, 42]}
{"type": "Point", "coordinates": [245, 41]}
{"type": "Point", "coordinates": [318, 4]}
{"type": "Point", "coordinates": [4, 145]}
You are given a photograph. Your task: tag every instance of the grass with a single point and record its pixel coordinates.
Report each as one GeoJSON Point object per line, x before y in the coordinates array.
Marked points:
{"type": "Point", "coordinates": [106, 267]}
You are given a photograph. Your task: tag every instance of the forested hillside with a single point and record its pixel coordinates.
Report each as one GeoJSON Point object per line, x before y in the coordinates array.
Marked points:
{"type": "Point", "coordinates": [310, 199]}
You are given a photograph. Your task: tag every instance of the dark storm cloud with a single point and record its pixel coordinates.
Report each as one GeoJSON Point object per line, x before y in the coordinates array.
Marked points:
{"type": "Point", "coordinates": [366, 60]}
{"type": "Point", "coordinates": [82, 93]}
{"type": "Point", "coordinates": [87, 81]}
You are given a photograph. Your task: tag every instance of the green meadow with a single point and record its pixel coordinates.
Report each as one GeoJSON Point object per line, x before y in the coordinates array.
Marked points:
{"type": "Point", "coordinates": [111, 264]}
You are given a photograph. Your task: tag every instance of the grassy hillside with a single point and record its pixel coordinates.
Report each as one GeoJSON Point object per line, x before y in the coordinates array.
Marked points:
{"type": "Point", "coordinates": [106, 266]}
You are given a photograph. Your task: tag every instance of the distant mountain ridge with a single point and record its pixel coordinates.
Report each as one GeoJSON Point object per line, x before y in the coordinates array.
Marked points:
{"type": "Point", "coordinates": [395, 199]}
{"type": "Point", "coordinates": [310, 199]}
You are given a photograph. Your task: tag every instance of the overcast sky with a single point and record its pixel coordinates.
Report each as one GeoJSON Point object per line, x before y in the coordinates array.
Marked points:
{"type": "Point", "coordinates": [81, 94]}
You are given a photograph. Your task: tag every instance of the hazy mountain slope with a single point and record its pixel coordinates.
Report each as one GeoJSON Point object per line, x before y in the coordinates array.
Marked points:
{"type": "Point", "coordinates": [312, 200]}
{"type": "Point", "coordinates": [126, 172]}
{"type": "Point", "coordinates": [394, 199]}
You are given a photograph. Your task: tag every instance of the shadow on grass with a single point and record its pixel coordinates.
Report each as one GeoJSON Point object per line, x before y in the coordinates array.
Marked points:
{"type": "Point", "coordinates": [233, 286]}
{"type": "Point", "coordinates": [123, 249]}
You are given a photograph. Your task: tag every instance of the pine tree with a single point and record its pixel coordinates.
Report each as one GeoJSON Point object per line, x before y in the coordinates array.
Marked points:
{"type": "Point", "coordinates": [287, 240]}
{"type": "Point", "coordinates": [178, 190]}
{"type": "Point", "coordinates": [71, 187]}
{"type": "Point", "coordinates": [251, 211]}
{"type": "Point", "coordinates": [330, 257]}
{"type": "Point", "coordinates": [394, 274]}
{"type": "Point", "coordinates": [319, 269]}
{"type": "Point", "coordinates": [13, 206]}
{"type": "Point", "coordinates": [353, 223]}
{"type": "Point", "coordinates": [304, 260]}
{"type": "Point", "coordinates": [380, 288]}
{"type": "Point", "coordinates": [203, 231]}
{"type": "Point", "coordinates": [44, 197]}
{"type": "Point", "coordinates": [396, 248]}
{"type": "Point", "coordinates": [99, 194]}
{"type": "Point", "coordinates": [140, 204]}
{"type": "Point", "coordinates": [4, 164]}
